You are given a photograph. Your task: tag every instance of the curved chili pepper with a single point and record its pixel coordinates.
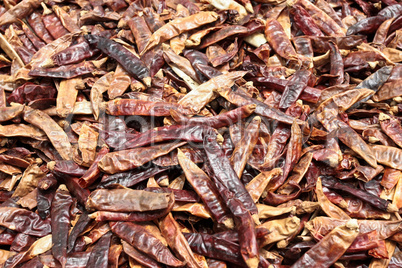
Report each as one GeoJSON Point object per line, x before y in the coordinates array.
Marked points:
{"type": "Point", "coordinates": [131, 63]}
{"type": "Point", "coordinates": [304, 21]}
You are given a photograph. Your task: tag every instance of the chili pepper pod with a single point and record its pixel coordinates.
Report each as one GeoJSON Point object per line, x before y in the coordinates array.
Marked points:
{"type": "Point", "coordinates": [127, 60]}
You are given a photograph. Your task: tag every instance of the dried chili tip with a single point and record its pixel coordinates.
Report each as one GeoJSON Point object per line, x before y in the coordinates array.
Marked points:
{"type": "Point", "coordinates": [51, 165]}
{"type": "Point", "coordinates": [383, 117]}
{"type": "Point", "coordinates": [252, 262]}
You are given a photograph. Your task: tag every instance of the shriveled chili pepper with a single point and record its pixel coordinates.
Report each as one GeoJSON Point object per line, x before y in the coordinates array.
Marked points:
{"type": "Point", "coordinates": [130, 62]}
{"type": "Point", "coordinates": [93, 173]}
{"type": "Point", "coordinates": [141, 107]}
{"type": "Point", "coordinates": [127, 200]}
{"type": "Point", "coordinates": [131, 178]}
{"type": "Point", "coordinates": [24, 221]}
{"type": "Point", "coordinates": [336, 242]}
{"type": "Point", "coordinates": [294, 88]}
{"type": "Point", "coordinates": [66, 71]}
{"type": "Point", "coordinates": [176, 240]}
{"type": "Point", "coordinates": [167, 133]}
{"type": "Point", "coordinates": [100, 252]}
{"type": "Point", "coordinates": [52, 23]}
{"type": "Point", "coordinates": [74, 54]}
{"type": "Point", "coordinates": [120, 161]}
{"type": "Point", "coordinates": [214, 247]}
{"type": "Point", "coordinates": [367, 197]}
{"type": "Point", "coordinates": [145, 241]}
{"type": "Point", "coordinates": [178, 26]}
{"type": "Point", "coordinates": [60, 215]}
{"type": "Point", "coordinates": [35, 21]}
{"type": "Point", "coordinates": [205, 188]}
{"type": "Point", "coordinates": [19, 11]}
{"type": "Point", "coordinates": [304, 21]}
{"type": "Point", "coordinates": [79, 226]}
{"type": "Point", "coordinates": [336, 64]}
{"type": "Point", "coordinates": [140, 257]}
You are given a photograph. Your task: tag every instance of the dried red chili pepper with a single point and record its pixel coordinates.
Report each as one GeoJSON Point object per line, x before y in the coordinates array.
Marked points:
{"type": "Point", "coordinates": [19, 11]}
{"type": "Point", "coordinates": [127, 60]}
{"type": "Point", "coordinates": [144, 241]}
{"type": "Point", "coordinates": [367, 197]}
{"type": "Point", "coordinates": [73, 54]}
{"type": "Point", "coordinates": [24, 221]}
{"type": "Point", "coordinates": [205, 188]}
{"type": "Point", "coordinates": [60, 215]}
{"type": "Point", "coordinates": [35, 21]}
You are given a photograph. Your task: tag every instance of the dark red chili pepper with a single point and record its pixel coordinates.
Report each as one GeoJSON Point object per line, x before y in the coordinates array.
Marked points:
{"type": "Point", "coordinates": [131, 178]}
{"type": "Point", "coordinates": [294, 88]}
{"type": "Point", "coordinates": [7, 237]}
{"type": "Point", "coordinates": [392, 11]}
{"type": "Point", "coordinates": [221, 120]}
{"type": "Point", "coordinates": [140, 257]}
{"type": "Point", "coordinates": [214, 247]}
{"type": "Point", "coordinates": [366, 26]}
{"type": "Point", "coordinates": [309, 94]}
{"type": "Point", "coordinates": [140, 30]}
{"type": "Point", "coordinates": [67, 168]}
{"type": "Point", "coordinates": [60, 215]}
{"type": "Point", "coordinates": [167, 133]}
{"type": "Point", "coordinates": [141, 107]}
{"type": "Point", "coordinates": [30, 91]}
{"type": "Point", "coordinates": [74, 54]}
{"type": "Point", "coordinates": [152, 19]}
{"type": "Point", "coordinates": [222, 34]}
{"type": "Point", "coordinates": [279, 41]}
{"type": "Point", "coordinates": [66, 71]}
{"type": "Point", "coordinates": [24, 221]}
{"type": "Point", "coordinates": [131, 63]}
{"type": "Point", "coordinates": [35, 21]}
{"type": "Point", "coordinates": [392, 127]}
{"type": "Point", "coordinates": [336, 65]}
{"type": "Point", "coordinates": [144, 240]}
{"type": "Point", "coordinates": [365, 196]}
{"type": "Point", "coordinates": [93, 172]}
{"type": "Point", "coordinates": [22, 242]}
{"type": "Point", "coordinates": [79, 226]}
{"type": "Point", "coordinates": [304, 21]}
{"type": "Point", "coordinates": [53, 24]}
{"type": "Point", "coordinates": [100, 252]}
{"type": "Point", "coordinates": [236, 198]}
{"type": "Point", "coordinates": [205, 189]}
{"type": "Point", "coordinates": [179, 195]}
{"type": "Point", "coordinates": [101, 216]}
{"type": "Point", "coordinates": [224, 172]}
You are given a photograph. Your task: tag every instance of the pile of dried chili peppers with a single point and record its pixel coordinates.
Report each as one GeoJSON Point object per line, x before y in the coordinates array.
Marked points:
{"type": "Point", "coordinates": [212, 133]}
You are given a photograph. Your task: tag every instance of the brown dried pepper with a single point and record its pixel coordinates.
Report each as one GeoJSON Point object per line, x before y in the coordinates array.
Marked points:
{"type": "Point", "coordinates": [145, 241]}
{"type": "Point", "coordinates": [36, 24]}
{"type": "Point", "coordinates": [55, 133]}
{"type": "Point", "coordinates": [178, 26]}
{"type": "Point", "coordinates": [73, 54]}
{"type": "Point", "coordinates": [19, 11]}
{"type": "Point", "coordinates": [60, 216]}
{"type": "Point", "coordinates": [304, 21]}
{"type": "Point", "coordinates": [245, 146]}
{"type": "Point", "coordinates": [279, 41]}
{"type": "Point", "coordinates": [130, 62]}
{"type": "Point", "coordinates": [125, 160]}
{"type": "Point", "coordinates": [127, 200]}
{"type": "Point", "coordinates": [331, 247]}
{"type": "Point", "coordinates": [205, 188]}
